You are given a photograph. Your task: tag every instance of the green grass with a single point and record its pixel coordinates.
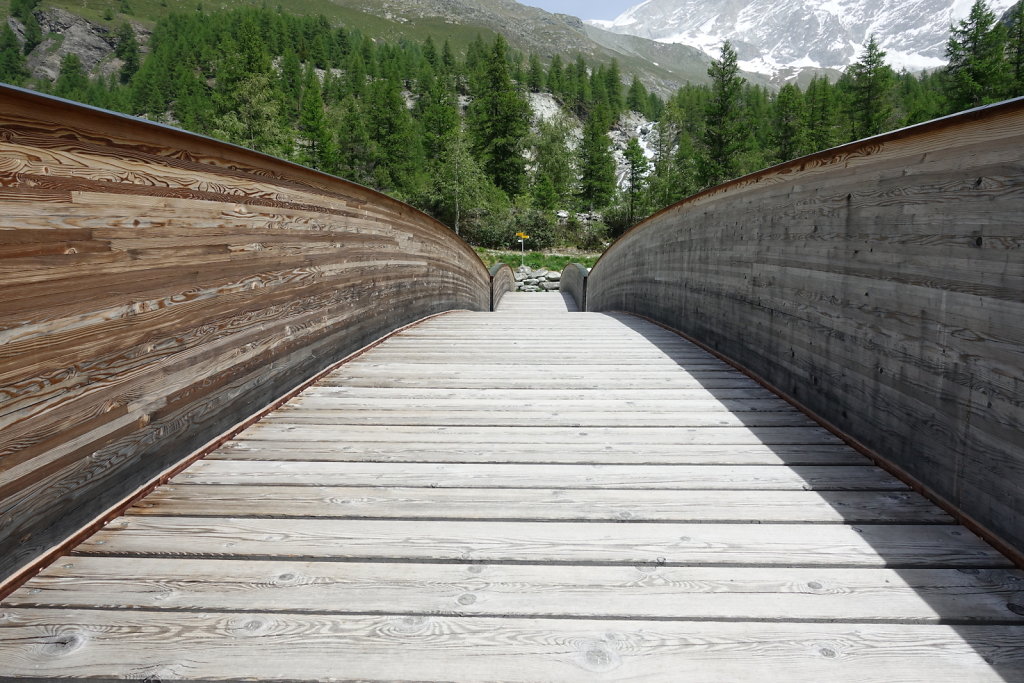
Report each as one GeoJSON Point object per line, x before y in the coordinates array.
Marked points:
{"type": "Point", "coordinates": [537, 259]}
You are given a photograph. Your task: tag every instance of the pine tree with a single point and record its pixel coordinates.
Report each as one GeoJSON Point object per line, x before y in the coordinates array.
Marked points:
{"type": "Point", "coordinates": [613, 86]}
{"type": "Point", "coordinates": [637, 98]}
{"type": "Point", "coordinates": [556, 76]}
{"type": "Point", "coordinates": [394, 132]}
{"type": "Point", "coordinates": [320, 151]}
{"type": "Point", "coordinates": [291, 82]}
{"type": "Point", "coordinates": [1015, 50]}
{"type": "Point", "coordinates": [822, 114]}
{"type": "Point", "coordinates": [127, 51]}
{"type": "Point", "coordinates": [24, 10]}
{"type": "Point", "coordinates": [724, 137]}
{"type": "Point", "coordinates": [790, 124]}
{"type": "Point", "coordinates": [597, 164]}
{"type": "Point", "coordinates": [72, 82]}
{"type": "Point", "coordinates": [535, 78]}
{"type": "Point", "coordinates": [638, 165]}
{"type": "Point", "coordinates": [438, 113]}
{"type": "Point", "coordinates": [255, 120]}
{"type": "Point", "coordinates": [977, 73]}
{"type": "Point", "coordinates": [12, 61]}
{"type": "Point", "coordinates": [871, 84]}
{"type": "Point", "coordinates": [499, 121]}
{"type": "Point", "coordinates": [357, 154]}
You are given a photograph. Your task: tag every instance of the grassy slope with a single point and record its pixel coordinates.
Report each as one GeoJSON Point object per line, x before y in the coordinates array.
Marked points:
{"type": "Point", "coordinates": [552, 260]}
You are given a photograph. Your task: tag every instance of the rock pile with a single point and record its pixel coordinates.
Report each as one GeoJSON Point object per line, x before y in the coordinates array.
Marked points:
{"type": "Point", "coordinates": [542, 280]}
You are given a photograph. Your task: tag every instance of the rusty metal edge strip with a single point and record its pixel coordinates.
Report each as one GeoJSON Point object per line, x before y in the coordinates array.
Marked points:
{"type": "Point", "coordinates": [21, 576]}
{"type": "Point", "coordinates": [973, 525]}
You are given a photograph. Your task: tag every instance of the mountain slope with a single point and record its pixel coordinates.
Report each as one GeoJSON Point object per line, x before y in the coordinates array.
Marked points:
{"type": "Point", "coordinates": [774, 35]}
{"type": "Point", "coordinates": [663, 68]}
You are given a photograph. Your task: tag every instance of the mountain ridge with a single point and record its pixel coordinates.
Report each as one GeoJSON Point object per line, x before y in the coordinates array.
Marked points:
{"type": "Point", "coordinates": [773, 37]}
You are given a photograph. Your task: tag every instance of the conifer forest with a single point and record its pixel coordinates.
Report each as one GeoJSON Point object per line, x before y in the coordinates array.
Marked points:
{"type": "Point", "coordinates": [453, 132]}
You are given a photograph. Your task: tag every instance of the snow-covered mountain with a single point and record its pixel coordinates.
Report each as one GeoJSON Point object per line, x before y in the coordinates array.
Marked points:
{"type": "Point", "coordinates": [773, 36]}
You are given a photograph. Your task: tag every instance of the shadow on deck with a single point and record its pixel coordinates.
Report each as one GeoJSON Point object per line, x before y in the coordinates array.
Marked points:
{"type": "Point", "coordinates": [527, 495]}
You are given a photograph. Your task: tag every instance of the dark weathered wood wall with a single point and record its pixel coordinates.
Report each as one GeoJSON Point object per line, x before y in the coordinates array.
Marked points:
{"type": "Point", "coordinates": [159, 286]}
{"type": "Point", "coordinates": [881, 284]}
{"type": "Point", "coordinates": [574, 281]}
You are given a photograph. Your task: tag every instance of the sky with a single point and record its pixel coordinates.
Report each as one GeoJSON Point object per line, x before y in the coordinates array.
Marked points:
{"type": "Point", "coordinates": [584, 9]}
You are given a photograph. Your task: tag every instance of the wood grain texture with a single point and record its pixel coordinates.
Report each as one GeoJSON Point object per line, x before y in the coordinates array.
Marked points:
{"type": "Point", "coordinates": [574, 283]}
{"type": "Point", "coordinates": [878, 283]}
{"type": "Point", "coordinates": [503, 281]}
{"type": "Point", "coordinates": [720, 593]}
{"type": "Point", "coordinates": [334, 549]}
{"type": "Point", "coordinates": [159, 286]}
{"type": "Point", "coordinates": [269, 646]}
{"type": "Point", "coordinates": [540, 504]}
{"type": "Point", "coordinates": [779, 545]}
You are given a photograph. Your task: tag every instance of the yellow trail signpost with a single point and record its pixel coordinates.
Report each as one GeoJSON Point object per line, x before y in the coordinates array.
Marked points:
{"type": "Point", "coordinates": [522, 247]}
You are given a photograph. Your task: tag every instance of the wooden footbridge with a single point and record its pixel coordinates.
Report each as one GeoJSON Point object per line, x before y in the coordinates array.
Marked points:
{"type": "Point", "coordinates": [260, 424]}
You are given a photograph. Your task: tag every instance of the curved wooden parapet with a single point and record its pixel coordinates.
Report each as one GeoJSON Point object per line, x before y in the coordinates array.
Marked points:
{"type": "Point", "coordinates": [503, 281]}
{"type": "Point", "coordinates": [880, 283]}
{"type": "Point", "coordinates": [158, 286]}
{"type": "Point", "coordinates": [574, 281]}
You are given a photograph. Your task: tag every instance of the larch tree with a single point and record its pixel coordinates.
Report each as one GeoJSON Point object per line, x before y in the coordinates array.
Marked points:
{"type": "Point", "coordinates": [597, 164]}
{"type": "Point", "coordinates": [12, 62]}
{"type": "Point", "coordinates": [499, 122]}
{"type": "Point", "coordinates": [790, 124]}
{"type": "Point", "coordinates": [978, 72]}
{"type": "Point", "coordinates": [872, 83]}
{"type": "Point", "coordinates": [724, 139]}
{"type": "Point", "coordinates": [637, 165]}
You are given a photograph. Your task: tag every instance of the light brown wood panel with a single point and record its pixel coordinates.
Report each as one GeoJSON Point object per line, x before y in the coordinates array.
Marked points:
{"type": "Point", "coordinates": [160, 286]}
{"type": "Point", "coordinates": [878, 283]}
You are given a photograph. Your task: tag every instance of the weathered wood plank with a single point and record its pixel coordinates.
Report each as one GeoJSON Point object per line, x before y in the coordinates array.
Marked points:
{"type": "Point", "coordinates": [513, 417]}
{"type": "Point", "coordinates": [610, 505]}
{"type": "Point", "coordinates": [719, 593]}
{"type": "Point", "coordinates": [538, 453]}
{"type": "Point", "coordinates": [764, 545]}
{"type": "Point", "coordinates": [489, 475]}
{"type": "Point", "coordinates": [602, 436]}
{"type": "Point", "coordinates": [183, 646]}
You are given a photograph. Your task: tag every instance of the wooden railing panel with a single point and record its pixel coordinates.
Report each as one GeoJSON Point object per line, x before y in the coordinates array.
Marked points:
{"type": "Point", "coordinates": [881, 284]}
{"type": "Point", "coordinates": [574, 281]}
{"type": "Point", "coordinates": [503, 281]}
{"type": "Point", "coordinates": [158, 286]}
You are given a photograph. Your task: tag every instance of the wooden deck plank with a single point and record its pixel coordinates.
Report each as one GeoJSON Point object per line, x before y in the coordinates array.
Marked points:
{"type": "Point", "coordinates": [488, 475]}
{"type": "Point", "coordinates": [664, 454]}
{"type": "Point", "coordinates": [783, 545]}
{"type": "Point", "coordinates": [395, 402]}
{"type": "Point", "coordinates": [234, 646]}
{"type": "Point", "coordinates": [632, 509]}
{"type": "Point", "coordinates": [720, 593]}
{"type": "Point", "coordinates": [601, 436]}
{"type": "Point", "coordinates": [302, 415]}
{"type": "Point", "coordinates": [610, 505]}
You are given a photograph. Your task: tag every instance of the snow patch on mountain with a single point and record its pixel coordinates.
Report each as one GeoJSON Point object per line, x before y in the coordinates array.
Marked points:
{"type": "Point", "coordinates": [772, 36]}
